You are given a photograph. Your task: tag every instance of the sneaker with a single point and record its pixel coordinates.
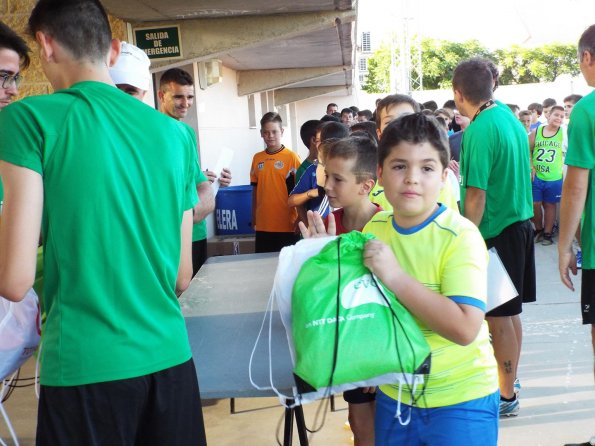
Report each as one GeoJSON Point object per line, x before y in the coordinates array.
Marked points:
{"type": "Point", "coordinates": [579, 258]}
{"type": "Point", "coordinates": [517, 387]}
{"type": "Point", "coordinates": [509, 408]}
{"type": "Point", "coordinates": [547, 239]}
{"type": "Point", "coordinates": [538, 235]}
{"type": "Point", "coordinates": [591, 442]}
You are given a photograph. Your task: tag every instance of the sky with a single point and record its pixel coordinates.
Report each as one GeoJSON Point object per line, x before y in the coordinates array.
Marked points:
{"type": "Point", "coordinates": [496, 24]}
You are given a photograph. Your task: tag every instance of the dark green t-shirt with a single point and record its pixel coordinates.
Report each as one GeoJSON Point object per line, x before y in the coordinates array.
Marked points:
{"type": "Point", "coordinates": [581, 153]}
{"type": "Point", "coordinates": [305, 164]}
{"type": "Point", "coordinates": [495, 158]}
{"type": "Point", "coordinates": [117, 177]}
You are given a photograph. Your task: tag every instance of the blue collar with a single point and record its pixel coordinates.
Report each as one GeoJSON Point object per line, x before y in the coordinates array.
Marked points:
{"type": "Point", "coordinates": [423, 224]}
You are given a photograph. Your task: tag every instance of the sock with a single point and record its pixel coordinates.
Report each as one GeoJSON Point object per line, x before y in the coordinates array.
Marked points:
{"type": "Point", "coordinates": [508, 400]}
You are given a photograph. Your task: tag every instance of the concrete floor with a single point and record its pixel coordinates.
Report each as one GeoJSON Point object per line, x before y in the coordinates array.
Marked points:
{"type": "Point", "coordinates": [556, 371]}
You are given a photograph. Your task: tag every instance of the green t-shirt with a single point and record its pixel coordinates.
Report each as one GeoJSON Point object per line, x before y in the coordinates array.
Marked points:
{"type": "Point", "coordinates": [117, 177]}
{"type": "Point", "coordinates": [495, 158]}
{"type": "Point", "coordinates": [547, 155]}
{"type": "Point", "coordinates": [581, 153]}
{"type": "Point", "coordinates": [305, 164]}
{"type": "Point", "coordinates": [199, 230]}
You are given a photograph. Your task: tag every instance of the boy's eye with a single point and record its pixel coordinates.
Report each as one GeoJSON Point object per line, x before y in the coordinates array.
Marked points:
{"type": "Point", "coordinates": [428, 169]}
{"type": "Point", "coordinates": [398, 166]}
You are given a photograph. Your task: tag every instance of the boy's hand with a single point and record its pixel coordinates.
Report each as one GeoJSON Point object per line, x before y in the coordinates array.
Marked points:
{"type": "Point", "coordinates": [211, 176]}
{"type": "Point", "coordinates": [380, 260]}
{"type": "Point", "coordinates": [225, 177]}
{"type": "Point", "coordinates": [566, 262]}
{"type": "Point", "coordinates": [454, 166]}
{"type": "Point", "coordinates": [316, 226]}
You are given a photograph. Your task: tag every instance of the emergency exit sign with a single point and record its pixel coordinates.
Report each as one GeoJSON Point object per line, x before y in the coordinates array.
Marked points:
{"type": "Point", "coordinates": [159, 43]}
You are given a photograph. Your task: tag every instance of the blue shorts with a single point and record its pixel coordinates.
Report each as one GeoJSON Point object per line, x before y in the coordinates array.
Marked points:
{"type": "Point", "coordinates": [472, 423]}
{"type": "Point", "coordinates": [547, 191]}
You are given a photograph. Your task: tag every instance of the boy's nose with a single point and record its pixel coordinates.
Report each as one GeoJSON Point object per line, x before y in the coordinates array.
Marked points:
{"type": "Point", "coordinates": [411, 178]}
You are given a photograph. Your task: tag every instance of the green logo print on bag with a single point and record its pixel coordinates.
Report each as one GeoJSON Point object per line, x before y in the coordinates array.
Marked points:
{"type": "Point", "coordinates": [347, 326]}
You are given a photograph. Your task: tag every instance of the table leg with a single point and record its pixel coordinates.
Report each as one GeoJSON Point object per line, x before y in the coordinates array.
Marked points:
{"type": "Point", "coordinates": [288, 430]}
{"type": "Point", "coordinates": [301, 425]}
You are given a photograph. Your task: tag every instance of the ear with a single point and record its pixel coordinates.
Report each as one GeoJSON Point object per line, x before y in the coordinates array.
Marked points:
{"type": "Point", "coordinates": [379, 175]}
{"type": "Point", "coordinates": [46, 46]}
{"type": "Point", "coordinates": [378, 133]}
{"type": "Point", "coordinates": [444, 176]}
{"type": "Point", "coordinates": [458, 97]}
{"type": "Point", "coordinates": [115, 49]}
{"type": "Point", "coordinates": [367, 186]}
{"type": "Point", "coordinates": [160, 95]}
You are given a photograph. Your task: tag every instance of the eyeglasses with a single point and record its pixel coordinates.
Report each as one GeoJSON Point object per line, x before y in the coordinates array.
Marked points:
{"type": "Point", "coordinates": [9, 80]}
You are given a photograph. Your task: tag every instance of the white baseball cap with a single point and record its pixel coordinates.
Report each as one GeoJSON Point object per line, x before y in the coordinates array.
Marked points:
{"type": "Point", "coordinates": [132, 67]}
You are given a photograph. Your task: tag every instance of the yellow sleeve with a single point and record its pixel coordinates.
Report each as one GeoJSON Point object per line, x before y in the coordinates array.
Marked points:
{"type": "Point", "coordinates": [464, 272]}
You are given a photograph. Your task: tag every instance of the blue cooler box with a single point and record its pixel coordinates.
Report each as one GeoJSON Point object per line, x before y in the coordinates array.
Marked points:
{"type": "Point", "coordinates": [233, 211]}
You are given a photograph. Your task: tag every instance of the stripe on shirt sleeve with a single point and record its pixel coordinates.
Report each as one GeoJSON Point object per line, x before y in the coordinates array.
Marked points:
{"type": "Point", "coordinates": [469, 301]}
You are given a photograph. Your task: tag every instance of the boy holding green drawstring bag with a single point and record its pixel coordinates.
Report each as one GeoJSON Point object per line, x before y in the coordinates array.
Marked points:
{"type": "Point", "coordinates": [435, 262]}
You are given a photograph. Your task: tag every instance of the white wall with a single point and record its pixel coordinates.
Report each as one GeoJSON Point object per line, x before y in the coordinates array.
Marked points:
{"type": "Point", "coordinates": [223, 121]}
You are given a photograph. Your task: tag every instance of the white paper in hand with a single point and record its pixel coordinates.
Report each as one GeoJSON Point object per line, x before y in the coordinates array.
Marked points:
{"type": "Point", "coordinates": [224, 160]}
{"type": "Point", "coordinates": [500, 287]}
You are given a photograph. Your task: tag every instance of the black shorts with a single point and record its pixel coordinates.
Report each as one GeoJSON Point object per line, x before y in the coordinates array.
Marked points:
{"type": "Point", "coordinates": [162, 408]}
{"type": "Point", "coordinates": [516, 249]}
{"type": "Point", "coordinates": [588, 296]}
{"type": "Point", "coordinates": [199, 255]}
{"type": "Point", "coordinates": [356, 396]}
{"type": "Point", "coordinates": [273, 241]}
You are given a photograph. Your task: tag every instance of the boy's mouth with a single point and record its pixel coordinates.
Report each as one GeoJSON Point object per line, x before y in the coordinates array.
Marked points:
{"type": "Point", "coordinates": [410, 194]}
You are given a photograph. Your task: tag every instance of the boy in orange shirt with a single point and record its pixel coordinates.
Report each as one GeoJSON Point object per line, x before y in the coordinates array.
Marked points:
{"type": "Point", "coordinates": [272, 176]}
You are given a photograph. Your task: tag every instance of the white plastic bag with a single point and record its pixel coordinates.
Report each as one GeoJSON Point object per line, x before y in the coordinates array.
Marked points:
{"type": "Point", "coordinates": [291, 259]}
{"type": "Point", "coordinates": [20, 332]}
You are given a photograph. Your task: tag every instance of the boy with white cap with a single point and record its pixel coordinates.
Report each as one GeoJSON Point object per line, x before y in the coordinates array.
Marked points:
{"type": "Point", "coordinates": [131, 71]}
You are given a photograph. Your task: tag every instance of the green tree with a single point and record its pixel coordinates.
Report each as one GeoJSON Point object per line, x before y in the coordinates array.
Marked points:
{"type": "Point", "coordinates": [378, 79]}
{"type": "Point", "coordinates": [531, 65]}
{"type": "Point", "coordinates": [439, 58]}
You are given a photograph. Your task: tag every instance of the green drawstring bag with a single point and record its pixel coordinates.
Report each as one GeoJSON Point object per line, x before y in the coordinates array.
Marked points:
{"type": "Point", "coordinates": [349, 328]}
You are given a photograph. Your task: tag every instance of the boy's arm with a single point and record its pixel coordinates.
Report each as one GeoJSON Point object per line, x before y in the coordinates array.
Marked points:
{"type": "Point", "coordinates": [19, 229]}
{"type": "Point", "coordinates": [206, 201]}
{"type": "Point", "coordinates": [574, 193]}
{"type": "Point", "coordinates": [475, 201]}
{"type": "Point", "coordinates": [185, 266]}
{"type": "Point", "coordinates": [254, 186]}
{"type": "Point", "coordinates": [299, 199]}
{"type": "Point", "coordinates": [458, 323]}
